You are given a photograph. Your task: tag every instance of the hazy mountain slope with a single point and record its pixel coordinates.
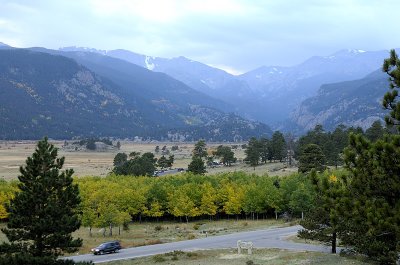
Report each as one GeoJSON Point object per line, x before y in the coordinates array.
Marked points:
{"type": "Point", "coordinates": [148, 84]}
{"type": "Point", "coordinates": [282, 89]}
{"type": "Point", "coordinates": [352, 103]}
{"type": "Point", "coordinates": [209, 80]}
{"type": "Point", "coordinates": [168, 94]}
{"type": "Point", "coordinates": [42, 94]}
{"type": "Point", "coordinates": [268, 94]}
{"type": "Point", "coordinates": [62, 99]}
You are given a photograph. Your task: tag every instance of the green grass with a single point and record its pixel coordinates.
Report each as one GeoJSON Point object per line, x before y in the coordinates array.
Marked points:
{"type": "Point", "coordinates": [230, 257]}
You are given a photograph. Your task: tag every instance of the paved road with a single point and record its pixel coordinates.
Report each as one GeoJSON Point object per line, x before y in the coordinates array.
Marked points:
{"type": "Point", "coordinates": [269, 238]}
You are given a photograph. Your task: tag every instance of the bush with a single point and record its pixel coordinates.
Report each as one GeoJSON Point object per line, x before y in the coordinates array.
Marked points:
{"type": "Point", "coordinates": [158, 228]}
{"type": "Point", "coordinates": [158, 258]}
{"type": "Point", "coordinates": [24, 259]}
{"type": "Point", "coordinates": [174, 148]}
{"type": "Point", "coordinates": [192, 254]}
{"type": "Point", "coordinates": [197, 226]}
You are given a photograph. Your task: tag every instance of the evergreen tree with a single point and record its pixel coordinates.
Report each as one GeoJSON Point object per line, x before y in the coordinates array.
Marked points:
{"type": "Point", "coordinates": [391, 101]}
{"type": "Point", "coordinates": [226, 154]}
{"type": "Point", "coordinates": [265, 150]}
{"type": "Point", "coordinates": [170, 161]}
{"type": "Point", "coordinates": [175, 148]}
{"type": "Point", "coordinates": [374, 195]}
{"type": "Point", "coordinates": [339, 140]}
{"type": "Point", "coordinates": [278, 146]}
{"type": "Point", "coordinates": [311, 158]}
{"type": "Point", "coordinates": [120, 159]}
{"type": "Point", "coordinates": [373, 198]}
{"type": "Point", "coordinates": [253, 152]}
{"type": "Point", "coordinates": [137, 165]}
{"type": "Point", "coordinates": [43, 214]}
{"type": "Point", "coordinates": [197, 166]}
{"type": "Point", "coordinates": [375, 132]}
{"type": "Point", "coordinates": [162, 162]}
{"type": "Point", "coordinates": [200, 149]}
{"type": "Point", "coordinates": [322, 223]}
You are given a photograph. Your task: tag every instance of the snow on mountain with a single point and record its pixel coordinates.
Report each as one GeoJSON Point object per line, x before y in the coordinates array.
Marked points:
{"type": "Point", "coordinates": [82, 49]}
{"type": "Point", "coordinates": [149, 65]}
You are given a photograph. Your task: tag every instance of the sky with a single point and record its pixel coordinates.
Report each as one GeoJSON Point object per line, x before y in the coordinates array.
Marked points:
{"type": "Point", "coordinates": [234, 35]}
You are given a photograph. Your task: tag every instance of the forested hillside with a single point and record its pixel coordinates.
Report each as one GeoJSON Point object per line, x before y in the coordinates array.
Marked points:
{"type": "Point", "coordinates": [49, 94]}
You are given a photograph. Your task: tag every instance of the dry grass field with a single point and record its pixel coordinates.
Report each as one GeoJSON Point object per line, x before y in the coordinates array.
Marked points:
{"type": "Point", "coordinates": [230, 257]}
{"type": "Point", "coordinates": [100, 163]}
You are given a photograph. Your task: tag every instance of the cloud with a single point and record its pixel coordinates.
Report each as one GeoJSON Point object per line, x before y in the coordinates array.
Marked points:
{"type": "Point", "coordinates": [238, 35]}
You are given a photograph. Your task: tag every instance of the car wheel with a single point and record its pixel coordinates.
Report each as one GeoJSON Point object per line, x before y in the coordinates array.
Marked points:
{"type": "Point", "coordinates": [101, 252]}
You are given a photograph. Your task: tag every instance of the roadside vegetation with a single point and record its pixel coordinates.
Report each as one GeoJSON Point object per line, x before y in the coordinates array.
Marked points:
{"type": "Point", "coordinates": [230, 257]}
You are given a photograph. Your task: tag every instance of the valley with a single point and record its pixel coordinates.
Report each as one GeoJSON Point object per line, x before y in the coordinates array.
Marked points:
{"type": "Point", "coordinates": [199, 132]}
{"type": "Point", "coordinates": [100, 163]}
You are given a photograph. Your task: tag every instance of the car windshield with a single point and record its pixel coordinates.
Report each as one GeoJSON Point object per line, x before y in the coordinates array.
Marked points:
{"type": "Point", "coordinates": [102, 245]}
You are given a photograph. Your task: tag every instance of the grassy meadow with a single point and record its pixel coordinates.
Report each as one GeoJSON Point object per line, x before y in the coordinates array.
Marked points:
{"type": "Point", "coordinates": [99, 163]}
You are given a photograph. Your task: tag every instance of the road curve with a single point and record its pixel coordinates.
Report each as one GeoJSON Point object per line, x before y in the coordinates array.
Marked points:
{"type": "Point", "coordinates": [268, 238]}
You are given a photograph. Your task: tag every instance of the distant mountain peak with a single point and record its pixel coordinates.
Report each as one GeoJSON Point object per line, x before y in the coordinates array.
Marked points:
{"type": "Point", "coordinates": [82, 49]}
{"type": "Point", "coordinates": [347, 52]}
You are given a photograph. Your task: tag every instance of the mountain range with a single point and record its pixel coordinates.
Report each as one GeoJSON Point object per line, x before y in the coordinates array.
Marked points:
{"type": "Point", "coordinates": [72, 94]}
{"type": "Point", "coordinates": [269, 94]}
{"type": "Point", "coordinates": [181, 99]}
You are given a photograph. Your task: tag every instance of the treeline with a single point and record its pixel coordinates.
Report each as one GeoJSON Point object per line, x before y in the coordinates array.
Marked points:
{"type": "Point", "coordinates": [328, 147]}
{"type": "Point", "coordinates": [265, 149]}
{"type": "Point", "coordinates": [117, 200]}
{"type": "Point", "coordinates": [333, 143]}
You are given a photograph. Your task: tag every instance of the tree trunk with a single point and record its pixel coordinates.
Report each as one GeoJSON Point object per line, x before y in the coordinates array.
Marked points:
{"type": "Point", "coordinates": [90, 231]}
{"type": "Point", "coordinates": [119, 230]}
{"type": "Point", "coordinates": [334, 242]}
{"type": "Point", "coordinates": [276, 215]}
{"type": "Point", "coordinates": [110, 229]}
{"type": "Point", "coordinates": [302, 215]}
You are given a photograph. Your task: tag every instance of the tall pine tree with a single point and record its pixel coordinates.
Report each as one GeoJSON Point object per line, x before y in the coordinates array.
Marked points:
{"type": "Point", "coordinates": [43, 214]}
{"type": "Point", "coordinates": [391, 101]}
{"type": "Point", "coordinates": [374, 192]}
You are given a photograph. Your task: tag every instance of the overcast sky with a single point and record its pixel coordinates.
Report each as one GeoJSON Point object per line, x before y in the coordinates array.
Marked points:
{"type": "Point", "coordinates": [235, 35]}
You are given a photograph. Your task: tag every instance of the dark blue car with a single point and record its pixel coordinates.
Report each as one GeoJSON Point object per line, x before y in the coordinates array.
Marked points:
{"type": "Point", "coordinates": [107, 247]}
